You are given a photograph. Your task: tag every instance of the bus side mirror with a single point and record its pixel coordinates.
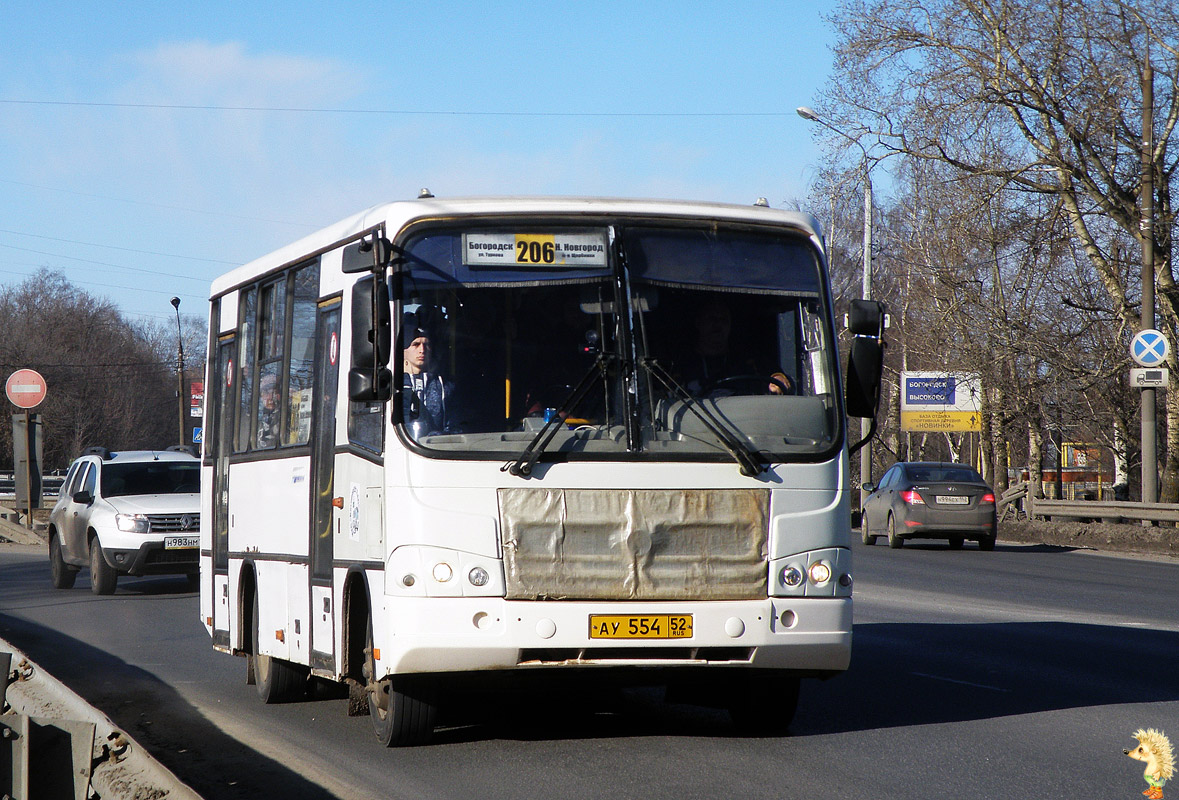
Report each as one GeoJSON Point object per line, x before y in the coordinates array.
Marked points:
{"type": "Point", "coordinates": [865, 361]}
{"type": "Point", "coordinates": [371, 335]}
{"type": "Point", "coordinates": [366, 387]}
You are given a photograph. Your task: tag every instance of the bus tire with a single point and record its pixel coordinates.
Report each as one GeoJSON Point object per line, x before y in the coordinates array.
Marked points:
{"type": "Point", "coordinates": [63, 574]}
{"type": "Point", "coordinates": [276, 680]}
{"type": "Point", "coordinates": [402, 710]}
{"type": "Point", "coordinates": [894, 541]}
{"type": "Point", "coordinates": [763, 705]}
{"type": "Point", "coordinates": [103, 578]}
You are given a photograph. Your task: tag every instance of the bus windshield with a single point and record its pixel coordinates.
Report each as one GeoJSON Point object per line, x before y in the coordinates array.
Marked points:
{"type": "Point", "coordinates": [623, 340]}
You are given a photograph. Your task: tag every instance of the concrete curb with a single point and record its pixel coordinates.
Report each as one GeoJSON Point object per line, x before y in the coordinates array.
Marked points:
{"type": "Point", "coordinates": [135, 774]}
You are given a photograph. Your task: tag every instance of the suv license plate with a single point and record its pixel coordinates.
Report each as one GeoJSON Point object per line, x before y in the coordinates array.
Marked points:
{"type": "Point", "coordinates": [640, 626]}
{"type": "Point", "coordinates": [180, 542]}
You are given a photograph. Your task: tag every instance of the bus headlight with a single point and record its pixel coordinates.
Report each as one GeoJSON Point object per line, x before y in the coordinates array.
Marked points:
{"type": "Point", "coordinates": [478, 576]}
{"type": "Point", "coordinates": [443, 572]}
{"type": "Point", "coordinates": [820, 572]}
{"type": "Point", "coordinates": [133, 523]}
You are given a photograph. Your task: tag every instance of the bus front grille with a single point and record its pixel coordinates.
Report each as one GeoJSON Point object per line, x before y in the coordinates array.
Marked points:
{"type": "Point", "coordinates": [629, 544]}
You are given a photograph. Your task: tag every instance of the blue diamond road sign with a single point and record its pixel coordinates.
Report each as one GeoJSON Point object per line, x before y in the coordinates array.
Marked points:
{"type": "Point", "coordinates": [1149, 348]}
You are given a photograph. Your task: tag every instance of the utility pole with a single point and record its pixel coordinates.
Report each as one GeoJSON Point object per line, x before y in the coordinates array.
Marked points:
{"type": "Point", "coordinates": [1150, 490]}
{"type": "Point", "coordinates": [179, 369]}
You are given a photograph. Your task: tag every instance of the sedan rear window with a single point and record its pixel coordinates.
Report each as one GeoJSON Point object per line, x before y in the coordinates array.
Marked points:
{"type": "Point", "coordinates": [944, 474]}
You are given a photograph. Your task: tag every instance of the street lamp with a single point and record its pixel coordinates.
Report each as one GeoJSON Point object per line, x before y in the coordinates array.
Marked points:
{"type": "Point", "coordinates": [179, 369]}
{"type": "Point", "coordinates": [866, 167]}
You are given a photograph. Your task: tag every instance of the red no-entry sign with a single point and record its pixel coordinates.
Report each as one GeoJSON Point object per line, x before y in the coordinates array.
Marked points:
{"type": "Point", "coordinates": [25, 388]}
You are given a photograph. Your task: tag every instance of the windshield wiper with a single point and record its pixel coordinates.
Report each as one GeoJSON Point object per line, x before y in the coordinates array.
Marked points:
{"type": "Point", "coordinates": [750, 460]}
{"type": "Point", "coordinates": [524, 463]}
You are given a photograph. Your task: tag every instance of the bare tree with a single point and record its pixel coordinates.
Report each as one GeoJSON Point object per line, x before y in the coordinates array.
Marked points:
{"type": "Point", "coordinates": [1042, 96]}
{"type": "Point", "coordinates": [110, 383]}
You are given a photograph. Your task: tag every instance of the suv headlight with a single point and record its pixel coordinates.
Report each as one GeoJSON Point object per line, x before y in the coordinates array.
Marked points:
{"type": "Point", "coordinates": [133, 523]}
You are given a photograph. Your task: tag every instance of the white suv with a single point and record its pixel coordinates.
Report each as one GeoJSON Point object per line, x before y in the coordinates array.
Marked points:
{"type": "Point", "coordinates": [134, 512]}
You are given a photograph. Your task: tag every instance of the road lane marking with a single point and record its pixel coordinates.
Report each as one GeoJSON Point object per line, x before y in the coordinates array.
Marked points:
{"type": "Point", "coordinates": [963, 683]}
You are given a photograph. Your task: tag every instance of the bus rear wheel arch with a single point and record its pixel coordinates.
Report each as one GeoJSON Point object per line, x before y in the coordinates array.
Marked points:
{"type": "Point", "coordinates": [276, 680]}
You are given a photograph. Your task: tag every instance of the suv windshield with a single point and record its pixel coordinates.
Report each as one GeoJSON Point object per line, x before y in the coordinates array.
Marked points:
{"type": "Point", "coordinates": [155, 477]}
{"type": "Point", "coordinates": [660, 340]}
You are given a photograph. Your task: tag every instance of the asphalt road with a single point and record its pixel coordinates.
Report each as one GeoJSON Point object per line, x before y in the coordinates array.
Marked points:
{"type": "Point", "coordinates": [1012, 674]}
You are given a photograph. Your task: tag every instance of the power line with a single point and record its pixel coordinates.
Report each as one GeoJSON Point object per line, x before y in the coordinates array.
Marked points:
{"type": "Point", "coordinates": [104, 264]}
{"type": "Point", "coordinates": [116, 247]}
{"type": "Point", "coordinates": [159, 205]}
{"type": "Point", "coordinates": [402, 111]}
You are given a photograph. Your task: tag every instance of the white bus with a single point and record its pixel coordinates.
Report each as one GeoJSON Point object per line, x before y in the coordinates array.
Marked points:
{"type": "Point", "coordinates": [456, 440]}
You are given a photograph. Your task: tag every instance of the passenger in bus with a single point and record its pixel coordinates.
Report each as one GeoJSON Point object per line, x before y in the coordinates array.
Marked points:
{"type": "Point", "coordinates": [268, 417]}
{"type": "Point", "coordinates": [424, 392]}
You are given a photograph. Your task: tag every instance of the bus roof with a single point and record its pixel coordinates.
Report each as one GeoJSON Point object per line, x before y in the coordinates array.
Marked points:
{"type": "Point", "coordinates": [398, 214]}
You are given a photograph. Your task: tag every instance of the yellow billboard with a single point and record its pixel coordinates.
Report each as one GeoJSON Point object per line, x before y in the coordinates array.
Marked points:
{"type": "Point", "coordinates": [941, 421]}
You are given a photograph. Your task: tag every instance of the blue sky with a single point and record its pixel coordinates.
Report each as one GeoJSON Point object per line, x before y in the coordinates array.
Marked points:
{"type": "Point", "coordinates": [104, 177]}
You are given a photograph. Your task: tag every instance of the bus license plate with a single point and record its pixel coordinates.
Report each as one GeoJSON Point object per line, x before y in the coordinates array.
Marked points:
{"type": "Point", "coordinates": [646, 626]}
{"type": "Point", "coordinates": [180, 542]}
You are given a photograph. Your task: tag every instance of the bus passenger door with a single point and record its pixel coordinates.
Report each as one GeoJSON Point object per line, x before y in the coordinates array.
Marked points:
{"type": "Point", "coordinates": [221, 444]}
{"type": "Point", "coordinates": [323, 454]}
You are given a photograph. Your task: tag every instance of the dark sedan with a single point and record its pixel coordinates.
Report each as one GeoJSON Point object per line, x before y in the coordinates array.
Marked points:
{"type": "Point", "coordinates": [930, 500]}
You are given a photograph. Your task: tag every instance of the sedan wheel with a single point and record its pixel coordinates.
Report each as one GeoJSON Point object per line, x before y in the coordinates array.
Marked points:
{"type": "Point", "coordinates": [894, 541]}
{"type": "Point", "coordinates": [956, 542]}
{"type": "Point", "coordinates": [869, 538]}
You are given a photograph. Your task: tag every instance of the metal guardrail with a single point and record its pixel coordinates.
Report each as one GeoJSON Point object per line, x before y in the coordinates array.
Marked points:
{"type": "Point", "coordinates": [50, 484]}
{"type": "Point", "coordinates": [47, 758]}
{"type": "Point", "coordinates": [1019, 496]}
{"type": "Point", "coordinates": [1009, 500]}
{"type": "Point", "coordinates": [1102, 510]}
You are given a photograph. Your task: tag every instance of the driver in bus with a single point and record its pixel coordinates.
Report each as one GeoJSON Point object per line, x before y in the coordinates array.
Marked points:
{"type": "Point", "coordinates": [711, 364]}
{"type": "Point", "coordinates": [424, 391]}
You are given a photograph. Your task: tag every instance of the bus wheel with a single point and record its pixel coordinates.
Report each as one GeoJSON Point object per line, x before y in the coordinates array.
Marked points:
{"type": "Point", "coordinates": [402, 712]}
{"type": "Point", "coordinates": [103, 577]}
{"type": "Point", "coordinates": [763, 706]}
{"type": "Point", "coordinates": [276, 680]}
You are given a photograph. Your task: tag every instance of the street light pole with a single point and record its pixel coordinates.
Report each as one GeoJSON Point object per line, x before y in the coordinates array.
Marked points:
{"type": "Point", "coordinates": [866, 166]}
{"type": "Point", "coordinates": [179, 370]}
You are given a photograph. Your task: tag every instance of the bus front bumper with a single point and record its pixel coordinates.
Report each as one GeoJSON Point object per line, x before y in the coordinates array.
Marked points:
{"type": "Point", "coordinates": [804, 635]}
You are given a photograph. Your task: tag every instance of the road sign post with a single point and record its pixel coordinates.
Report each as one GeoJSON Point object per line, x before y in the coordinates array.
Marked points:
{"type": "Point", "coordinates": [26, 389]}
{"type": "Point", "coordinates": [1149, 349]}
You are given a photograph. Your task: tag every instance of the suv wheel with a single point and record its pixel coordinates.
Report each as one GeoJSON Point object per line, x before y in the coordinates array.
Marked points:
{"type": "Point", "coordinates": [63, 574]}
{"type": "Point", "coordinates": [103, 577]}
